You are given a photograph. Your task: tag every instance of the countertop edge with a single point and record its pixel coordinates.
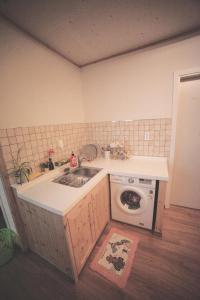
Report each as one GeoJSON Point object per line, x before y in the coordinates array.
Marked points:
{"type": "Point", "coordinates": [64, 212]}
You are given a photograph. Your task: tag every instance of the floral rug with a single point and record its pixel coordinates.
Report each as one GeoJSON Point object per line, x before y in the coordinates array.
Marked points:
{"type": "Point", "coordinates": [115, 257]}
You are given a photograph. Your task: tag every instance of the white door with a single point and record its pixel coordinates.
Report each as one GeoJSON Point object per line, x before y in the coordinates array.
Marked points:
{"type": "Point", "coordinates": [186, 175]}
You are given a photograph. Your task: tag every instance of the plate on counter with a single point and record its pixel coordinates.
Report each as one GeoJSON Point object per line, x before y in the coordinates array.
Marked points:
{"type": "Point", "coordinates": [89, 152]}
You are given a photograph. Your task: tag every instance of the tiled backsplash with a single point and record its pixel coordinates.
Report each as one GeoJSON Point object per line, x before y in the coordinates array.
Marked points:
{"type": "Point", "coordinates": [35, 141]}
{"type": "Point", "coordinates": [131, 134]}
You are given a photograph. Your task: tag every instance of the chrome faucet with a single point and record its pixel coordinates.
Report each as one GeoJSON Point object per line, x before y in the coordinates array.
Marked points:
{"type": "Point", "coordinates": [80, 159]}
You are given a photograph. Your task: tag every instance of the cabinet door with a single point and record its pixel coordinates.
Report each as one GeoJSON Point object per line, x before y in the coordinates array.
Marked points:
{"type": "Point", "coordinates": [80, 231]}
{"type": "Point", "coordinates": [46, 235]}
{"type": "Point", "coordinates": [100, 207]}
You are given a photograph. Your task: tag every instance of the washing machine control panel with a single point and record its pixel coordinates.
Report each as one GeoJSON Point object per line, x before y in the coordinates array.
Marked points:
{"type": "Point", "coordinates": [131, 180]}
{"type": "Point", "coordinates": [135, 181]}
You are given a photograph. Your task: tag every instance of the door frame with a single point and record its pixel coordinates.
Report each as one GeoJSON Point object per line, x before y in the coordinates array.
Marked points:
{"type": "Point", "coordinates": [177, 75]}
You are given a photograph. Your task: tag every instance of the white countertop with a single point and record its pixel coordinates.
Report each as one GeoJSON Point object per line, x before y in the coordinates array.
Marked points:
{"type": "Point", "coordinates": [60, 198]}
{"type": "Point", "coordinates": [138, 166]}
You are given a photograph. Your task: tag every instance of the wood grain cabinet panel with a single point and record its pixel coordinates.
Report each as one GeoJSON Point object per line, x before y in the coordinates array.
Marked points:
{"type": "Point", "coordinates": [80, 231]}
{"type": "Point", "coordinates": [87, 220]}
{"type": "Point", "coordinates": [100, 207]}
{"type": "Point", "coordinates": [45, 233]}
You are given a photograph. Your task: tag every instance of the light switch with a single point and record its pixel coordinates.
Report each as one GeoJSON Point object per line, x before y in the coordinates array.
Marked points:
{"type": "Point", "coordinates": [146, 135]}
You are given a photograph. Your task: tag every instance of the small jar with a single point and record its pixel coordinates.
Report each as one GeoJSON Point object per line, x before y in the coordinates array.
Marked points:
{"type": "Point", "coordinates": [107, 154]}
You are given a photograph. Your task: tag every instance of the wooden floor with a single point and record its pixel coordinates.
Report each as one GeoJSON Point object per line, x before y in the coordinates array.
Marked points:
{"type": "Point", "coordinates": [167, 268]}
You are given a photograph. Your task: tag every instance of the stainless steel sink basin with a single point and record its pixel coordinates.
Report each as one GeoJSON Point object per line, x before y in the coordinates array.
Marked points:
{"type": "Point", "coordinates": [77, 177]}
{"type": "Point", "coordinates": [86, 172]}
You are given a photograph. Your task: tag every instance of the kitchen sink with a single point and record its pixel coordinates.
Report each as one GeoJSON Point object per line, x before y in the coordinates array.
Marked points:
{"type": "Point", "coordinates": [86, 172]}
{"type": "Point", "coordinates": [77, 177]}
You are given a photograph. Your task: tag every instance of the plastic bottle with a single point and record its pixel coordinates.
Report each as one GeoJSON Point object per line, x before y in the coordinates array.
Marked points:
{"type": "Point", "coordinates": [50, 164]}
{"type": "Point", "coordinates": [73, 161]}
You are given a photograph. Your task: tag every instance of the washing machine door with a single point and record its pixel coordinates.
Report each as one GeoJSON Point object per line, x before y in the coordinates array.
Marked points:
{"type": "Point", "coordinates": [132, 200]}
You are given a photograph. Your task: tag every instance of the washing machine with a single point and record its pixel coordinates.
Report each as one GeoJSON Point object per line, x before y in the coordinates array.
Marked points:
{"type": "Point", "coordinates": [132, 200]}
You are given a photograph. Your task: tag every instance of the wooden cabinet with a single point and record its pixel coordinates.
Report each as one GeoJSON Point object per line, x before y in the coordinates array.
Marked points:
{"type": "Point", "coordinates": [46, 236]}
{"type": "Point", "coordinates": [87, 220]}
{"type": "Point", "coordinates": [100, 207]}
{"type": "Point", "coordinates": [66, 241]}
{"type": "Point", "coordinates": [79, 222]}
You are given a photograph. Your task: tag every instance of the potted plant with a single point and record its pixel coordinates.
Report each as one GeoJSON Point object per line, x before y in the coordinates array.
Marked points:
{"type": "Point", "coordinates": [7, 245]}
{"type": "Point", "coordinates": [44, 166]}
{"type": "Point", "coordinates": [21, 170]}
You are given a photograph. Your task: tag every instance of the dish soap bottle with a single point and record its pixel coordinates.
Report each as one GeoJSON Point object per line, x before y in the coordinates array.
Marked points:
{"type": "Point", "coordinates": [50, 164]}
{"type": "Point", "coordinates": [73, 161]}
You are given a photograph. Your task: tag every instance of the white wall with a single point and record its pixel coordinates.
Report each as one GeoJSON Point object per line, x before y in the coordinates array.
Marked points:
{"type": "Point", "coordinates": [39, 87]}
{"type": "Point", "coordinates": [36, 85]}
{"type": "Point", "coordinates": [137, 86]}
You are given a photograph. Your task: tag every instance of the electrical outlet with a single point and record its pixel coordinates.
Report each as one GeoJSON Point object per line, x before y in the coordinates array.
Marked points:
{"type": "Point", "coordinates": [146, 135]}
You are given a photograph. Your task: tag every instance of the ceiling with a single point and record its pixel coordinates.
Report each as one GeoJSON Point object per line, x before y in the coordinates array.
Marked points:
{"type": "Point", "coordinates": [86, 31]}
